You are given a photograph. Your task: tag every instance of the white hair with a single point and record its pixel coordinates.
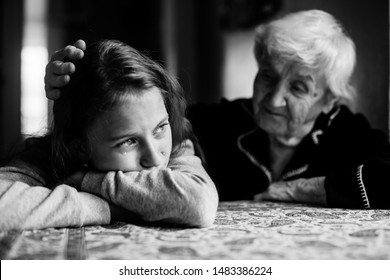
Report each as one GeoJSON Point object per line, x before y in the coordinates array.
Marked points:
{"type": "Point", "coordinates": [313, 39]}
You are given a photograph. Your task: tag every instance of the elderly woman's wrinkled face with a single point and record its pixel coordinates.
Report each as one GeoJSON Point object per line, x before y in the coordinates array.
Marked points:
{"type": "Point", "coordinates": [287, 99]}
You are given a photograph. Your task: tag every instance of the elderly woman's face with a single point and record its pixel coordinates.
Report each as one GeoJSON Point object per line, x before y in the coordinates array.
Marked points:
{"type": "Point", "coordinates": [287, 99]}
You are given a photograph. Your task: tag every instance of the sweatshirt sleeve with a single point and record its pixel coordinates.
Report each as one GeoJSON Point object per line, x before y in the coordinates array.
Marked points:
{"type": "Point", "coordinates": [364, 186]}
{"type": "Point", "coordinates": [183, 193]}
{"type": "Point", "coordinates": [364, 179]}
{"type": "Point", "coordinates": [25, 203]}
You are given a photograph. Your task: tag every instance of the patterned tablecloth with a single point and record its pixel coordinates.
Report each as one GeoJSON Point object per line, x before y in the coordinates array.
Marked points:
{"type": "Point", "coordinates": [242, 230]}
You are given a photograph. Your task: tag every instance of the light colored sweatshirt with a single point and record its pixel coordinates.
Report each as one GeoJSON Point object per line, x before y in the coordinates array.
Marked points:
{"type": "Point", "coordinates": [182, 193]}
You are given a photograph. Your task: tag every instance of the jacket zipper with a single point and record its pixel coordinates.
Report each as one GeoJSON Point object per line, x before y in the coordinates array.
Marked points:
{"type": "Point", "coordinates": [252, 159]}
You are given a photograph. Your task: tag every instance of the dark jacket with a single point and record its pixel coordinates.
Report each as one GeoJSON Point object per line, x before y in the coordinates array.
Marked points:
{"type": "Point", "coordinates": [354, 157]}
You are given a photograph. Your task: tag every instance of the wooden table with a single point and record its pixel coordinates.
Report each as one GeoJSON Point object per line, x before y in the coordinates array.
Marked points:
{"type": "Point", "coordinates": [242, 230]}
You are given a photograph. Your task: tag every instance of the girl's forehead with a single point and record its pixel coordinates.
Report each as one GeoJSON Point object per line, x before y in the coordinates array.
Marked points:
{"type": "Point", "coordinates": [135, 95]}
{"type": "Point", "coordinates": [145, 109]}
{"type": "Point", "coordinates": [132, 99]}
{"type": "Point", "coordinates": [141, 98]}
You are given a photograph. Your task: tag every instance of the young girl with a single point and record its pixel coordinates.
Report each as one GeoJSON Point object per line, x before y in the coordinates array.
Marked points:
{"type": "Point", "coordinates": [119, 148]}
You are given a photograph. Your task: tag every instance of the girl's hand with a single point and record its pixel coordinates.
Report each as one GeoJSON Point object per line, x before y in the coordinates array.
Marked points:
{"type": "Point", "coordinates": [58, 70]}
{"type": "Point", "coordinates": [301, 190]}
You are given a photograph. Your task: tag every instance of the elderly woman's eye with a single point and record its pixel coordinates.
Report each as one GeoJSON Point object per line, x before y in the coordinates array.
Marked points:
{"type": "Point", "coordinates": [266, 75]}
{"type": "Point", "coordinates": [299, 87]}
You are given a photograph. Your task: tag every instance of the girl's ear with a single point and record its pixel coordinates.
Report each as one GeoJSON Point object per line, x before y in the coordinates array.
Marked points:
{"type": "Point", "coordinates": [83, 154]}
{"type": "Point", "coordinates": [330, 102]}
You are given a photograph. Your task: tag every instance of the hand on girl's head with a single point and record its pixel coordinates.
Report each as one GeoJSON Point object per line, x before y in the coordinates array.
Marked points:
{"type": "Point", "coordinates": [58, 70]}
{"type": "Point", "coordinates": [71, 53]}
{"type": "Point", "coordinates": [57, 75]}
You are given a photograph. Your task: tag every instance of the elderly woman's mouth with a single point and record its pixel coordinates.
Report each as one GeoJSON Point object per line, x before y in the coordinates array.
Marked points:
{"type": "Point", "coordinates": [273, 112]}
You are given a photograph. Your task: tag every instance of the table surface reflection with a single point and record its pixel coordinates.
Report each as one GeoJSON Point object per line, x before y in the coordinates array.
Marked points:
{"type": "Point", "coordinates": [242, 230]}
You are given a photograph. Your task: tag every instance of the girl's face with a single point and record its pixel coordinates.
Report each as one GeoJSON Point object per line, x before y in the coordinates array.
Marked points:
{"type": "Point", "coordinates": [135, 135]}
{"type": "Point", "coordinates": [287, 99]}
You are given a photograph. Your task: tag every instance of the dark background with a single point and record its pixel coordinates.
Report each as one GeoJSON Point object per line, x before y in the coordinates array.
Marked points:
{"type": "Point", "coordinates": [187, 37]}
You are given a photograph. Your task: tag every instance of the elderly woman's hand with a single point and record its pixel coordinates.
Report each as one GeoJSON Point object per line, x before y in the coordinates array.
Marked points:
{"type": "Point", "coordinates": [60, 67]}
{"type": "Point", "coordinates": [301, 190]}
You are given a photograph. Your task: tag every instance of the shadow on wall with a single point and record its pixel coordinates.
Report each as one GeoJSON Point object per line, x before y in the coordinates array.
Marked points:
{"type": "Point", "coordinates": [238, 20]}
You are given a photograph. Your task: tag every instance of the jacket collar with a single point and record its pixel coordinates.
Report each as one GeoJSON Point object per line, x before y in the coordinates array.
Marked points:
{"type": "Point", "coordinates": [254, 144]}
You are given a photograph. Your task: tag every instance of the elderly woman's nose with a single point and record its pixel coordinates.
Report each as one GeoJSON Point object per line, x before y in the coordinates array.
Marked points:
{"type": "Point", "coordinates": [277, 96]}
{"type": "Point", "coordinates": [151, 156]}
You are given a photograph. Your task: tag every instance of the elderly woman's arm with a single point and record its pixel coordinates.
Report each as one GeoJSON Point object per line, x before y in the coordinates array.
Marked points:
{"type": "Point", "coordinates": [362, 178]}
{"type": "Point", "coordinates": [182, 193]}
{"type": "Point", "coordinates": [301, 190]}
{"type": "Point", "coordinates": [358, 170]}
{"type": "Point", "coordinates": [366, 185]}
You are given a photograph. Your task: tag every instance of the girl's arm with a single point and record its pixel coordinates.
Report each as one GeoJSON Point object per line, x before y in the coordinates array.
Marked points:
{"type": "Point", "coordinates": [25, 203]}
{"type": "Point", "coordinates": [183, 193]}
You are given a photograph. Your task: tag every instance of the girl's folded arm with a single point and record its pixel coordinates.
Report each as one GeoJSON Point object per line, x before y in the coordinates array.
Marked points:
{"type": "Point", "coordinates": [183, 193]}
{"type": "Point", "coordinates": [26, 203]}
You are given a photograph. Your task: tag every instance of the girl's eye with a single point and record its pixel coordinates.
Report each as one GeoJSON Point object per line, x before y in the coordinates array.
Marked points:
{"type": "Point", "coordinates": [127, 142]}
{"type": "Point", "coordinates": [160, 130]}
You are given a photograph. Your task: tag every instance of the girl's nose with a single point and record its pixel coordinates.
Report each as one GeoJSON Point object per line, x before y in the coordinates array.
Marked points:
{"type": "Point", "coordinates": [151, 156]}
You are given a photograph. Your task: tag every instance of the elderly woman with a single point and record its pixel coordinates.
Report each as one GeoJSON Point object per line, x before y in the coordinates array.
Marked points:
{"type": "Point", "coordinates": [296, 139]}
